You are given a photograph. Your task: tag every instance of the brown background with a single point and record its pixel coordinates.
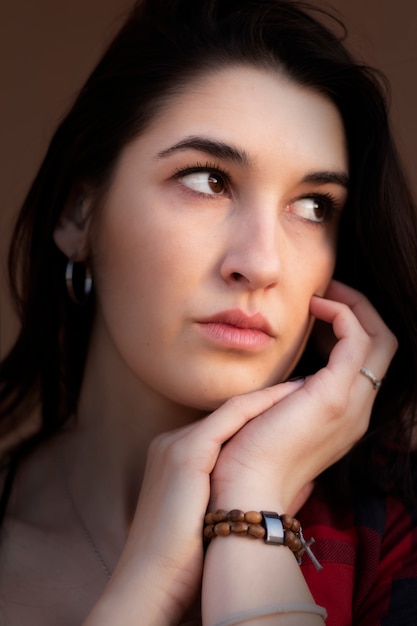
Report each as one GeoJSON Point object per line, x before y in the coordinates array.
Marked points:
{"type": "Point", "coordinates": [48, 47]}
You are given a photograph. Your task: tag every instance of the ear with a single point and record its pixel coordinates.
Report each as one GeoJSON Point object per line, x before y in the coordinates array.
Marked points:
{"type": "Point", "coordinates": [71, 233]}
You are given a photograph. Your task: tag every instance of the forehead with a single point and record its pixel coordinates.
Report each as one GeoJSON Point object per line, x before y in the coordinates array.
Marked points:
{"type": "Point", "coordinates": [264, 113]}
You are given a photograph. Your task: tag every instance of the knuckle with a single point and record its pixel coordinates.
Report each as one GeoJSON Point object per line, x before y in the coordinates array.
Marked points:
{"type": "Point", "coordinates": [156, 444]}
{"type": "Point", "coordinates": [364, 343]}
{"type": "Point", "coordinates": [332, 406]}
{"type": "Point", "coordinates": [156, 447]}
{"type": "Point", "coordinates": [336, 406]}
{"type": "Point", "coordinates": [358, 428]}
{"type": "Point", "coordinates": [235, 403]}
{"type": "Point", "coordinates": [387, 343]}
{"type": "Point", "coordinates": [392, 342]}
{"type": "Point", "coordinates": [361, 427]}
{"type": "Point", "coordinates": [163, 445]}
{"type": "Point", "coordinates": [330, 397]}
{"type": "Point", "coordinates": [175, 454]}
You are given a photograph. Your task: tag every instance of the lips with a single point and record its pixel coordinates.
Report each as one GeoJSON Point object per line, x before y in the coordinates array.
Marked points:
{"type": "Point", "coordinates": [236, 330]}
{"type": "Point", "coordinates": [239, 319]}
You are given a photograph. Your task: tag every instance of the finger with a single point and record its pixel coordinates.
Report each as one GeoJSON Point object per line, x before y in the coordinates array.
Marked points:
{"type": "Point", "coordinates": [383, 342]}
{"type": "Point", "coordinates": [367, 315]}
{"type": "Point", "coordinates": [218, 427]}
{"type": "Point", "coordinates": [353, 342]}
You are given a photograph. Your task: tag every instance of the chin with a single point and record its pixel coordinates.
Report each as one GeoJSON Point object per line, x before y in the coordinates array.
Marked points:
{"type": "Point", "coordinates": [209, 397]}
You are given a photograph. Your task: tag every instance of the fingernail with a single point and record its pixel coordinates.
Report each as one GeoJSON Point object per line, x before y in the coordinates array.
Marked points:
{"type": "Point", "coordinates": [296, 379]}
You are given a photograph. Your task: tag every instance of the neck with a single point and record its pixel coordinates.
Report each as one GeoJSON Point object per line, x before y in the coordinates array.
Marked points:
{"type": "Point", "coordinates": [117, 418]}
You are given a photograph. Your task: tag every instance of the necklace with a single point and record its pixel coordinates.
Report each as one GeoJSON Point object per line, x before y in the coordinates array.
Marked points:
{"type": "Point", "coordinates": [92, 544]}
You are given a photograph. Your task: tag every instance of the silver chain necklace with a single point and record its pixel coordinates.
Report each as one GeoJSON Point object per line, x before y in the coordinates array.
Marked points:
{"type": "Point", "coordinates": [92, 544]}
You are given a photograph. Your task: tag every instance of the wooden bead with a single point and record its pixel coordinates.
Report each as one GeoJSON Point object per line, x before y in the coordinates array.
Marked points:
{"type": "Point", "coordinates": [209, 518]}
{"type": "Point", "coordinates": [220, 516]}
{"type": "Point", "coordinates": [239, 528]}
{"type": "Point", "coordinates": [256, 530]}
{"type": "Point", "coordinates": [208, 532]}
{"type": "Point", "coordinates": [222, 523]}
{"type": "Point", "coordinates": [236, 515]}
{"type": "Point", "coordinates": [287, 521]}
{"type": "Point", "coordinates": [297, 545]}
{"type": "Point", "coordinates": [292, 541]}
{"type": "Point", "coordinates": [222, 529]}
{"type": "Point", "coordinates": [253, 517]}
{"type": "Point", "coordinates": [288, 538]}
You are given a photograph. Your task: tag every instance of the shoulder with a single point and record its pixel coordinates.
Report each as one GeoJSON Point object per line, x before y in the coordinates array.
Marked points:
{"type": "Point", "coordinates": [41, 583]}
{"type": "Point", "coordinates": [45, 576]}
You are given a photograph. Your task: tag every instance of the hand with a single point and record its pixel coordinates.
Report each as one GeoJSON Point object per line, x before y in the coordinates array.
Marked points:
{"type": "Point", "coordinates": [160, 569]}
{"type": "Point", "coordinates": [259, 450]}
{"type": "Point", "coordinates": [271, 462]}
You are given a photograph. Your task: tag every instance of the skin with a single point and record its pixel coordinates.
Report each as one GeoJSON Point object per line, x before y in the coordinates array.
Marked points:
{"type": "Point", "coordinates": [180, 254]}
{"type": "Point", "coordinates": [170, 247]}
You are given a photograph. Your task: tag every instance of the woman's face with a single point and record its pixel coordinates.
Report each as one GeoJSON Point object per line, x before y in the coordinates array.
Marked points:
{"type": "Point", "coordinates": [219, 226]}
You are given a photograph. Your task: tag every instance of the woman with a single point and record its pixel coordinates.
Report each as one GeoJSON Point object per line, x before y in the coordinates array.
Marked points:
{"type": "Point", "coordinates": [225, 177]}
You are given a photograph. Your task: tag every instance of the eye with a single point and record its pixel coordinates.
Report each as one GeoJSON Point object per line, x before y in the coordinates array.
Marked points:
{"type": "Point", "coordinates": [204, 181]}
{"type": "Point", "coordinates": [316, 209]}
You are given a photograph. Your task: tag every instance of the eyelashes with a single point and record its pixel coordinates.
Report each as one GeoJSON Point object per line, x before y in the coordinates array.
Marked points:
{"type": "Point", "coordinates": [317, 208]}
{"type": "Point", "coordinates": [207, 180]}
{"type": "Point", "coordinates": [211, 181]}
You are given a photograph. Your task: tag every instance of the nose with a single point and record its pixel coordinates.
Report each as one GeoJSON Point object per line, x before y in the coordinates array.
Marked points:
{"type": "Point", "coordinates": [253, 254]}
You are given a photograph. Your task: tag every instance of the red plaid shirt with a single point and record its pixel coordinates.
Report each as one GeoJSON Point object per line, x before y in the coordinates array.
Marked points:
{"type": "Point", "coordinates": [369, 558]}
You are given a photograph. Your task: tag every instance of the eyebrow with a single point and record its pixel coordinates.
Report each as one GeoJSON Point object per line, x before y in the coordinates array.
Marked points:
{"type": "Point", "coordinates": [327, 177]}
{"type": "Point", "coordinates": [217, 149]}
{"type": "Point", "coordinates": [227, 152]}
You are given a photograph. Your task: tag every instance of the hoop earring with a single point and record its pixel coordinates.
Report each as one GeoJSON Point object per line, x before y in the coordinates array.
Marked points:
{"type": "Point", "coordinates": [69, 280]}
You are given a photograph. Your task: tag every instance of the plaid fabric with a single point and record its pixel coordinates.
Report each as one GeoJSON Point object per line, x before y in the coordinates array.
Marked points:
{"type": "Point", "coordinates": [369, 558]}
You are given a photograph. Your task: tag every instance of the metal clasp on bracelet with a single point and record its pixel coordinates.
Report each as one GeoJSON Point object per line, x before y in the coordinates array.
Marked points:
{"type": "Point", "coordinates": [275, 534]}
{"type": "Point", "coordinates": [274, 528]}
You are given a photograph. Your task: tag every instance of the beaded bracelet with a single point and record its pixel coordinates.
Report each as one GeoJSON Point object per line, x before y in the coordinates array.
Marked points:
{"type": "Point", "coordinates": [280, 530]}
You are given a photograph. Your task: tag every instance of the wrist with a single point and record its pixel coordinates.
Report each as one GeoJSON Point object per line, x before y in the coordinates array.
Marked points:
{"type": "Point", "coordinates": [247, 500]}
{"type": "Point", "coordinates": [275, 529]}
{"type": "Point", "coordinates": [241, 574]}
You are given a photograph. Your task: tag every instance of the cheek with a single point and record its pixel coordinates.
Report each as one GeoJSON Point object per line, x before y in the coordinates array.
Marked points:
{"type": "Point", "coordinates": [145, 269]}
{"type": "Point", "coordinates": [313, 278]}
{"type": "Point", "coordinates": [312, 268]}
{"type": "Point", "coordinates": [131, 251]}
{"type": "Point", "coordinates": [324, 264]}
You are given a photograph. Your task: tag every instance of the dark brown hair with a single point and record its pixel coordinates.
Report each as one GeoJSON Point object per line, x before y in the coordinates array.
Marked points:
{"type": "Point", "coordinates": [163, 45]}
